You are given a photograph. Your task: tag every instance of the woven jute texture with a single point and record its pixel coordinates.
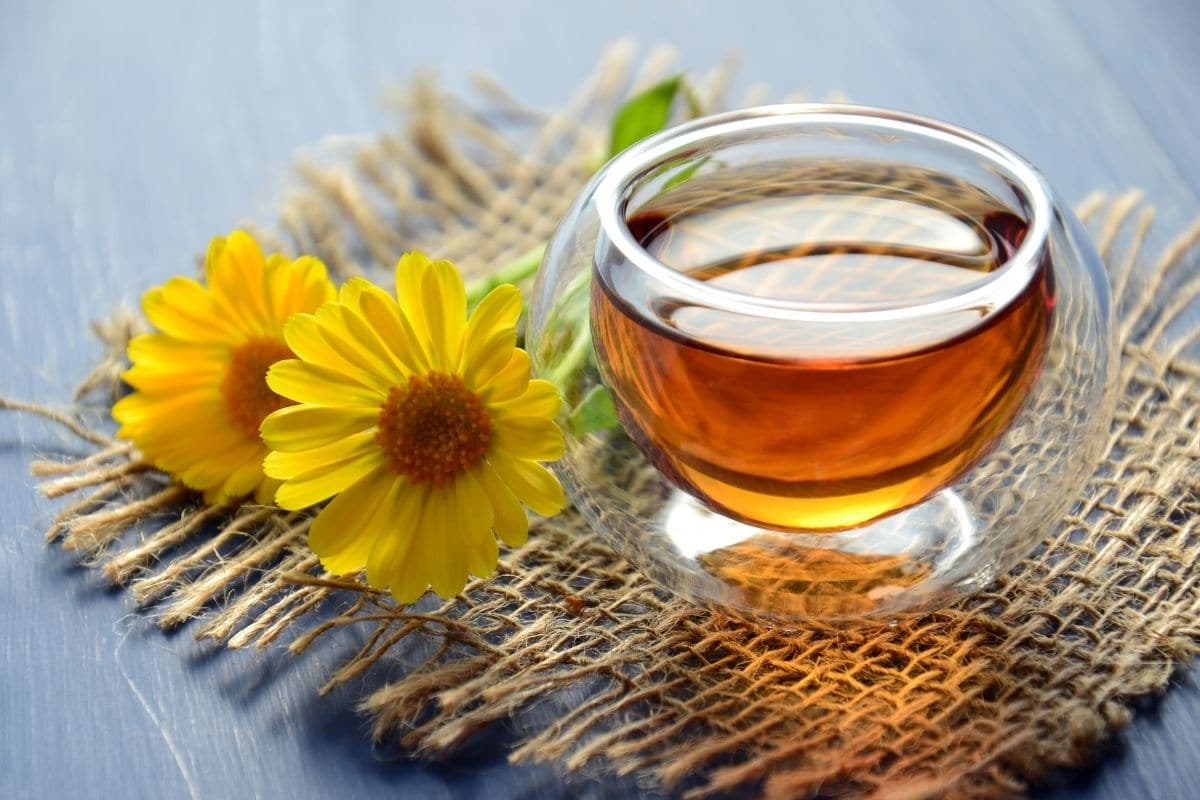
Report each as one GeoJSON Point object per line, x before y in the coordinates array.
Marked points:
{"type": "Point", "coordinates": [597, 669]}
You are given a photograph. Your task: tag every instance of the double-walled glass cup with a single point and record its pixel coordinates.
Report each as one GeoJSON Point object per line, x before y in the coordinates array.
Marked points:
{"type": "Point", "coordinates": [823, 361]}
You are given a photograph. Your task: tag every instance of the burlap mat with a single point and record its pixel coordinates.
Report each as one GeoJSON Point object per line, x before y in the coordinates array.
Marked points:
{"type": "Point", "coordinates": [598, 668]}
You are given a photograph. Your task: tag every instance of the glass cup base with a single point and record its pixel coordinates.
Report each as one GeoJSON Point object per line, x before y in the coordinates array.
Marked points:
{"type": "Point", "coordinates": [910, 561]}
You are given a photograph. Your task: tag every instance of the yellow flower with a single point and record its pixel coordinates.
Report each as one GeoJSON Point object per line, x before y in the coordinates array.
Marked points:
{"type": "Point", "coordinates": [422, 424]}
{"type": "Point", "coordinates": [200, 382]}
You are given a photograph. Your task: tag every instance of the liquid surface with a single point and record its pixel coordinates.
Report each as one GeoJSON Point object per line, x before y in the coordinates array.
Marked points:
{"type": "Point", "coordinates": [819, 425]}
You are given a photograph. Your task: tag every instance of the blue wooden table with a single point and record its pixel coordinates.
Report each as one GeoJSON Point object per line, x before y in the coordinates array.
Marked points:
{"type": "Point", "coordinates": [132, 132]}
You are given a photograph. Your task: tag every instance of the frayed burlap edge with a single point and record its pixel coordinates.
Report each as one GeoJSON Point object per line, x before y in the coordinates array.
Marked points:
{"type": "Point", "coordinates": [598, 668]}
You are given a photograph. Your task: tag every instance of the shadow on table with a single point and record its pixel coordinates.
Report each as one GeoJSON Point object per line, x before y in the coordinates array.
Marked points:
{"type": "Point", "coordinates": [329, 728]}
{"type": "Point", "coordinates": [1109, 775]}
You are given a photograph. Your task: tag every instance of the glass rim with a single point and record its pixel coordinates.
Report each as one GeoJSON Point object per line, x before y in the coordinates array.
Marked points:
{"type": "Point", "coordinates": [995, 291]}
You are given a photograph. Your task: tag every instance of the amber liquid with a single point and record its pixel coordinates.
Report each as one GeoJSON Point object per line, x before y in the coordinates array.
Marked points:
{"type": "Point", "coordinates": [828, 425]}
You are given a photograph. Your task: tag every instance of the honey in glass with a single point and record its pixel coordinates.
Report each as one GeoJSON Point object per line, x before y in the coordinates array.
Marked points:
{"type": "Point", "coordinates": [842, 417]}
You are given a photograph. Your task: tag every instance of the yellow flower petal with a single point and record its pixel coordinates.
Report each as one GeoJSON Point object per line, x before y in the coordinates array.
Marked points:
{"type": "Point", "coordinates": [177, 410]}
{"type": "Point", "coordinates": [496, 312]}
{"type": "Point", "coordinates": [369, 349]}
{"type": "Point", "coordinates": [510, 382]}
{"type": "Point", "coordinates": [151, 380]}
{"type": "Point", "coordinates": [493, 354]}
{"type": "Point", "coordinates": [178, 450]}
{"type": "Point", "coordinates": [212, 471]}
{"type": "Point", "coordinates": [510, 522]}
{"type": "Point", "coordinates": [440, 545]}
{"type": "Point", "coordinates": [168, 354]}
{"type": "Point", "coordinates": [241, 481]}
{"type": "Point", "coordinates": [304, 336]}
{"type": "Point", "coordinates": [535, 485]}
{"type": "Point", "coordinates": [433, 298]}
{"type": "Point", "coordinates": [445, 299]}
{"type": "Point", "coordinates": [388, 565]}
{"type": "Point", "coordinates": [355, 345]}
{"type": "Point", "coordinates": [305, 427]}
{"type": "Point", "coordinates": [300, 284]}
{"type": "Point", "coordinates": [183, 308]}
{"type": "Point", "coordinates": [315, 475]}
{"type": "Point", "coordinates": [540, 399]}
{"type": "Point", "coordinates": [535, 438]}
{"type": "Point", "coordinates": [413, 565]}
{"type": "Point", "coordinates": [310, 383]}
{"type": "Point", "coordinates": [290, 465]}
{"type": "Point", "coordinates": [410, 280]}
{"type": "Point", "coordinates": [393, 327]}
{"type": "Point", "coordinates": [265, 493]}
{"type": "Point", "coordinates": [235, 270]}
{"type": "Point", "coordinates": [325, 480]}
{"type": "Point", "coordinates": [474, 525]}
{"type": "Point", "coordinates": [427, 555]}
{"type": "Point", "coordinates": [341, 535]}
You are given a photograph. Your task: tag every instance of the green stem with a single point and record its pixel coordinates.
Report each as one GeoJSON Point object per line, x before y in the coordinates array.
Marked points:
{"type": "Point", "coordinates": [516, 271]}
{"type": "Point", "coordinates": [573, 360]}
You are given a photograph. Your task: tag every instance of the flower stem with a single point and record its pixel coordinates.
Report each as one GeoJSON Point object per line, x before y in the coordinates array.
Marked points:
{"type": "Point", "coordinates": [574, 360]}
{"type": "Point", "coordinates": [516, 271]}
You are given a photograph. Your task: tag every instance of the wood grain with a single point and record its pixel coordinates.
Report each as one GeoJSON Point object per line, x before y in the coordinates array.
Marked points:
{"type": "Point", "coordinates": [131, 132]}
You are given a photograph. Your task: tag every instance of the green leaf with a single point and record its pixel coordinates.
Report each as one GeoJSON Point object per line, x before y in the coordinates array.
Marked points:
{"type": "Point", "coordinates": [595, 412]}
{"type": "Point", "coordinates": [643, 114]}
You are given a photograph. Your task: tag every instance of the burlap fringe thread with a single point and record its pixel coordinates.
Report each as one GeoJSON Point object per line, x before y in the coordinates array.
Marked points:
{"type": "Point", "coordinates": [978, 700]}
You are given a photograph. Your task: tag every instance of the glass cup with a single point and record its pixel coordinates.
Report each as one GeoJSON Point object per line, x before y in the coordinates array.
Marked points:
{"type": "Point", "coordinates": [823, 361]}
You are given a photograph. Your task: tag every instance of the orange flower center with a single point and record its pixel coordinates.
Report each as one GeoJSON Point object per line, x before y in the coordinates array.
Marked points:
{"type": "Point", "coordinates": [244, 387]}
{"type": "Point", "coordinates": [433, 428]}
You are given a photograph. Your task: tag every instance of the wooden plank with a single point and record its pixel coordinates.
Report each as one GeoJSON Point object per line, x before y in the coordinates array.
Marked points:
{"type": "Point", "coordinates": [1155, 62]}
